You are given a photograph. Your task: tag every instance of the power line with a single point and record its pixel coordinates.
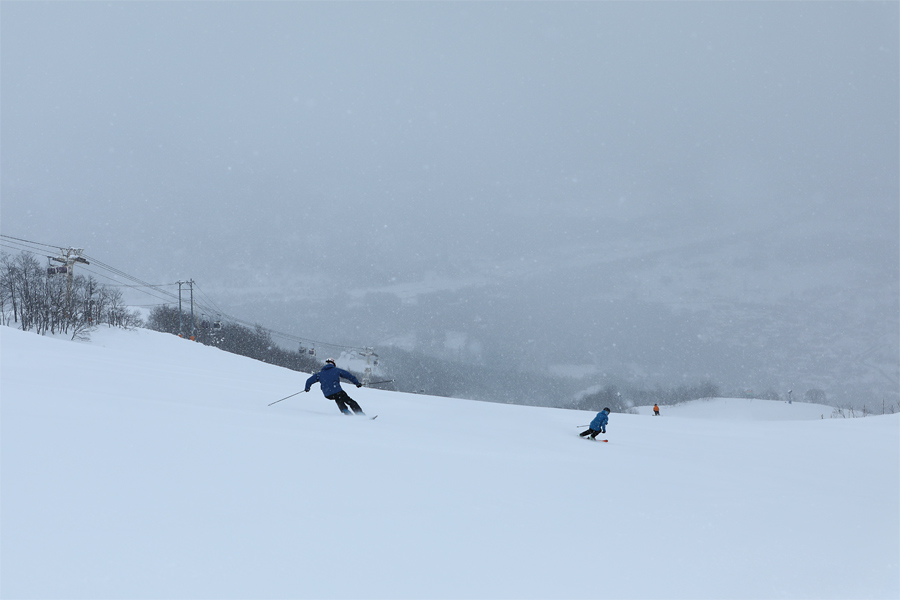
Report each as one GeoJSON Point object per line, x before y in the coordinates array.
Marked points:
{"type": "Point", "coordinates": [207, 297]}
{"type": "Point", "coordinates": [123, 285]}
{"type": "Point", "coordinates": [136, 287]}
{"type": "Point", "coordinates": [22, 245]}
{"type": "Point", "coordinates": [164, 295]}
{"type": "Point", "coordinates": [23, 248]}
{"type": "Point", "coordinates": [9, 237]}
{"type": "Point", "coordinates": [149, 305]}
{"type": "Point", "coordinates": [126, 275]}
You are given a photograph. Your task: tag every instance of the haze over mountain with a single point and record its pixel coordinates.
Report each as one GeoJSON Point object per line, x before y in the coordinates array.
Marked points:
{"type": "Point", "coordinates": [660, 193]}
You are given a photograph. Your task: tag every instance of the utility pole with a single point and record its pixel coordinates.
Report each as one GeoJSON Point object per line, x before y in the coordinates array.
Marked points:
{"type": "Point", "coordinates": [191, 282]}
{"type": "Point", "coordinates": [180, 327]}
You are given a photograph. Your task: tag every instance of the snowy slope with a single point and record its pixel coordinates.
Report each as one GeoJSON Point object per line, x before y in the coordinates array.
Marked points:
{"type": "Point", "coordinates": [143, 465]}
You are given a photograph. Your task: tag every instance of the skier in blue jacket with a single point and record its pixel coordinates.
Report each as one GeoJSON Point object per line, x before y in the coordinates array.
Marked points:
{"type": "Point", "coordinates": [598, 425]}
{"type": "Point", "coordinates": [329, 379]}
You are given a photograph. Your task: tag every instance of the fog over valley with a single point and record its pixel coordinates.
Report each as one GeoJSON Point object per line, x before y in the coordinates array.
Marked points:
{"type": "Point", "coordinates": [518, 202]}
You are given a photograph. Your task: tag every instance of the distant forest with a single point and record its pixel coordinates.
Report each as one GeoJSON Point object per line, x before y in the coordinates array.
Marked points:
{"type": "Point", "coordinates": [256, 343]}
{"type": "Point", "coordinates": [418, 373]}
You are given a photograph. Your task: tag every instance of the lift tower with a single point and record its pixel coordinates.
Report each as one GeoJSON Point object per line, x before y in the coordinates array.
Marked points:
{"type": "Point", "coordinates": [69, 256]}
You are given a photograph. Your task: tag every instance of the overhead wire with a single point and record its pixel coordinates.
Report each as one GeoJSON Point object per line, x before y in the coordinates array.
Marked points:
{"type": "Point", "coordinates": [136, 287]}
{"type": "Point", "coordinates": [208, 306]}
{"type": "Point", "coordinates": [30, 247]}
{"type": "Point", "coordinates": [23, 247]}
{"type": "Point", "coordinates": [11, 238]}
{"type": "Point", "coordinates": [205, 295]}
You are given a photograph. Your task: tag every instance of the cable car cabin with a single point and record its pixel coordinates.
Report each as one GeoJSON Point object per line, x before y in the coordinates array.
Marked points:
{"type": "Point", "coordinates": [217, 326]}
{"type": "Point", "coordinates": [57, 270]}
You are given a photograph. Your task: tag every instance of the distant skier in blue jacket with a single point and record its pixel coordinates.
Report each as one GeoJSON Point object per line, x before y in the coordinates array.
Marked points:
{"type": "Point", "coordinates": [329, 379]}
{"type": "Point", "coordinates": [598, 425]}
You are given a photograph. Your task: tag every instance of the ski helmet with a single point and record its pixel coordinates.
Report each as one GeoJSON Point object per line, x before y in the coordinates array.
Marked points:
{"type": "Point", "coordinates": [330, 360]}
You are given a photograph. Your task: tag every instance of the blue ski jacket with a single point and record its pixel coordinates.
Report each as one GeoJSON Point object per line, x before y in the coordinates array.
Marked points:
{"type": "Point", "coordinates": [330, 379]}
{"type": "Point", "coordinates": [600, 420]}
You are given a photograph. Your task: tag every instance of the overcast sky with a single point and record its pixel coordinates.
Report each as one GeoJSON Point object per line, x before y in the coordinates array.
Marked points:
{"type": "Point", "coordinates": [444, 123]}
{"type": "Point", "coordinates": [363, 143]}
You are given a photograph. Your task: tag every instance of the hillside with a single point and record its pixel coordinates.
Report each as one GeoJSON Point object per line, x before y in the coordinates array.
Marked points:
{"type": "Point", "coordinates": [143, 465]}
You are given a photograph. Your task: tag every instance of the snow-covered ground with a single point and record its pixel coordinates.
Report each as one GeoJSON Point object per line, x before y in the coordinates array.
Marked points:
{"type": "Point", "coordinates": [141, 465]}
{"type": "Point", "coordinates": [743, 409]}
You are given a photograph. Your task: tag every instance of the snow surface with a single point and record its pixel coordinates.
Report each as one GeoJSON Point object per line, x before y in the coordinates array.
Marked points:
{"type": "Point", "coordinates": [734, 409]}
{"type": "Point", "coordinates": [141, 465]}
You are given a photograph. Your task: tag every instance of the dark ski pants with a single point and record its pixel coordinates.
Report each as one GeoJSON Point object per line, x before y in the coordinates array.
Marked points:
{"type": "Point", "coordinates": [591, 433]}
{"type": "Point", "coordinates": [343, 400]}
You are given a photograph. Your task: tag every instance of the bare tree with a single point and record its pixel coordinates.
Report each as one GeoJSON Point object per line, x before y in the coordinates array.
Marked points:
{"type": "Point", "coordinates": [81, 330]}
{"type": "Point", "coordinates": [8, 290]}
{"type": "Point", "coordinates": [43, 302]}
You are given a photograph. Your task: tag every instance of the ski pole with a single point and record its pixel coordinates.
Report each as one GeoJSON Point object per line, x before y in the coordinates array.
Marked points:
{"type": "Point", "coordinates": [377, 382]}
{"type": "Point", "coordinates": [286, 397]}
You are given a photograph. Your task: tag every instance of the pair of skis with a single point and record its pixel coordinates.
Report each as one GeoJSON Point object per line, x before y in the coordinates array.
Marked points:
{"type": "Point", "coordinates": [588, 437]}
